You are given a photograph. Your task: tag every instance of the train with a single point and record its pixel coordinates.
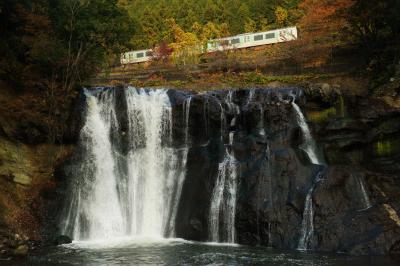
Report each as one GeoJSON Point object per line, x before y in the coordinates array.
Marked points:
{"type": "Point", "coordinates": [245, 40]}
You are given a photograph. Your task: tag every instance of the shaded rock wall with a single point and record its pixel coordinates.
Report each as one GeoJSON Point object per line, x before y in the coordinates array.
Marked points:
{"type": "Point", "coordinates": [359, 136]}
{"type": "Point", "coordinates": [275, 174]}
{"type": "Point", "coordinates": [28, 157]}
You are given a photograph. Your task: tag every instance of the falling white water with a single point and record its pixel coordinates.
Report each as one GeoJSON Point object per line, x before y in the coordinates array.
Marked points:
{"type": "Point", "coordinates": [307, 224]}
{"type": "Point", "coordinates": [262, 129]}
{"type": "Point", "coordinates": [309, 144]}
{"type": "Point", "coordinates": [186, 112]}
{"type": "Point", "coordinates": [271, 202]}
{"type": "Point", "coordinates": [251, 96]}
{"type": "Point", "coordinates": [98, 192]}
{"type": "Point", "coordinates": [142, 202]}
{"type": "Point", "coordinates": [364, 195]}
{"type": "Point", "coordinates": [223, 202]}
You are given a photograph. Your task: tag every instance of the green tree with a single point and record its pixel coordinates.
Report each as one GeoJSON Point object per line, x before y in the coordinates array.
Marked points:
{"type": "Point", "coordinates": [376, 27]}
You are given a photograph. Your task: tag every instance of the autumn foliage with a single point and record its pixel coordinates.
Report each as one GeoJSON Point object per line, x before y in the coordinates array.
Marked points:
{"type": "Point", "coordinates": [321, 29]}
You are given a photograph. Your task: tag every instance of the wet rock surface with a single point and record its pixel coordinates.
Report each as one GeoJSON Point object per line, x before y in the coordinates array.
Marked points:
{"type": "Point", "coordinates": [355, 208]}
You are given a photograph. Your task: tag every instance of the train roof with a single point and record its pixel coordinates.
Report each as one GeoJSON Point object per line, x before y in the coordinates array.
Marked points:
{"type": "Point", "coordinates": [251, 33]}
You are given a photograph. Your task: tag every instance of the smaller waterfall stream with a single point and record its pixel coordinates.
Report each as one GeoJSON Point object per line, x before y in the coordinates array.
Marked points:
{"type": "Point", "coordinates": [223, 202]}
{"type": "Point", "coordinates": [364, 195]}
{"type": "Point", "coordinates": [186, 114]}
{"type": "Point", "coordinates": [307, 225]}
{"type": "Point", "coordinates": [309, 146]}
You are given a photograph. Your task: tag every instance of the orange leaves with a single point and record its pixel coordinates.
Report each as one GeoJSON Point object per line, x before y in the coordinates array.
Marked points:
{"type": "Point", "coordinates": [321, 29]}
{"type": "Point", "coordinates": [323, 15]}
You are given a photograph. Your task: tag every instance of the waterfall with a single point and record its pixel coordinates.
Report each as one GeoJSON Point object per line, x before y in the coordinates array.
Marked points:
{"type": "Point", "coordinates": [364, 195]}
{"type": "Point", "coordinates": [307, 224]}
{"type": "Point", "coordinates": [108, 201]}
{"type": "Point", "coordinates": [309, 145]}
{"type": "Point", "coordinates": [223, 202]}
{"type": "Point", "coordinates": [186, 113]}
{"type": "Point", "coordinates": [96, 196]}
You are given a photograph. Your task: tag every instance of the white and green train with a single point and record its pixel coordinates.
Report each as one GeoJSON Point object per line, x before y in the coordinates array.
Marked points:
{"type": "Point", "coordinates": [240, 41]}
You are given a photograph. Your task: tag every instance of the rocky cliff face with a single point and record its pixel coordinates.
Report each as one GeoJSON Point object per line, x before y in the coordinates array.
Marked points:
{"type": "Point", "coordinates": [359, 136]}
{"type": "Point", "coordinates": [28, 158]}
{"type": "Point", "coordinates": [355, 205]}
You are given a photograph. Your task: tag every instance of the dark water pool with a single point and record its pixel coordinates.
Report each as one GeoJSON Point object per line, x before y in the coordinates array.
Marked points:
{"type": "Point", "coordinates": [179, 252]}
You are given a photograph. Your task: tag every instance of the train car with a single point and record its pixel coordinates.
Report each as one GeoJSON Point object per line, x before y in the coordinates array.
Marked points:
{"type": "Point", "coordinates": [138, 56]}
{"type": "Point", "coordinates": [247, 40]}
{"type": "Point", "coordinates": [240, 41]}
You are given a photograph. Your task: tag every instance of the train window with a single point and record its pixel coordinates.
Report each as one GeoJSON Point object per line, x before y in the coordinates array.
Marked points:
{"type": "Point", "coordinates": [149, 53]}
{"type": "Point", "coordinates": [224, 42]}
{"type": "Point", "coordinates": [270, 35]}
{"type": "Point", "coordinates": [235, 41]}
{"type": "Point", "coordinates": [139, 55]}
{"type": "Point", "coordinates": [258, 37]}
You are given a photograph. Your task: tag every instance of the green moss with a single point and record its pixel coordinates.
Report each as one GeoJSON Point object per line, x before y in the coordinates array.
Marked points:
{"type": "Point", "coordinates": [342, 107]}
{"type": "Point", "coordinates": [386, 147]}
{"type": "Point", "coordinates": [259, 78]}
{"type": "Point", "coordinates": [321, 116]}
{"type": "Point", "coordinates": [356, 156]}
{"type": "Point", "coordinates": [389, 125]}
{"type": "Point", "coordinates": [177, 83]}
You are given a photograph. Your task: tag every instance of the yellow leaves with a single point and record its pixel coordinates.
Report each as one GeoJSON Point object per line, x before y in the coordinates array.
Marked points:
{"type": "Point", "coordinates": [250, 26]}
{"type": "Point", "coordinates": [392, 214]}
{"type": "Point", "coordinates": [186, 46]}
{"type": "Point", "coordinates": [281, 15]}
{"type": "Point", "coordinates": [182, 38]}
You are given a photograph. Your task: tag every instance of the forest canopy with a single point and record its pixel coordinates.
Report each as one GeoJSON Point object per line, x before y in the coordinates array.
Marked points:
{"type": "Point", "coordinates": [47, 43]}
{"type": "Point", "coordinates": [206, 18]}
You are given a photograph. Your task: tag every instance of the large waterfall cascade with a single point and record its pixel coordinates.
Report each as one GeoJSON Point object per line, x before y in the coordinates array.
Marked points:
{"type": "Point", "coordinates": [127, 195]}
{"type": "Point", "coordinates": [134, 191]}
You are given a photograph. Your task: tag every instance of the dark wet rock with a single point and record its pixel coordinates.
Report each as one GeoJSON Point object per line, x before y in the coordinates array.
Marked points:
{"type": "Point", "coordinates": [61, 240]}
{"type": "Point", "coordinates": [358, 143]}
{"type": "Point", "coordinates": [21, 250]}
{"type": "Point", "coordinates": [275, 175]}
{"type": "Point", "coordinates": [74, 119]}
{"type": "Point", "coordinates": [322, 93]}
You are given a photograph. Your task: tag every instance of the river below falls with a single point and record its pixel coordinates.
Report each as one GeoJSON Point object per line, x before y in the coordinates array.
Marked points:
{"type": "Point", "coordinates": [180, 252]}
